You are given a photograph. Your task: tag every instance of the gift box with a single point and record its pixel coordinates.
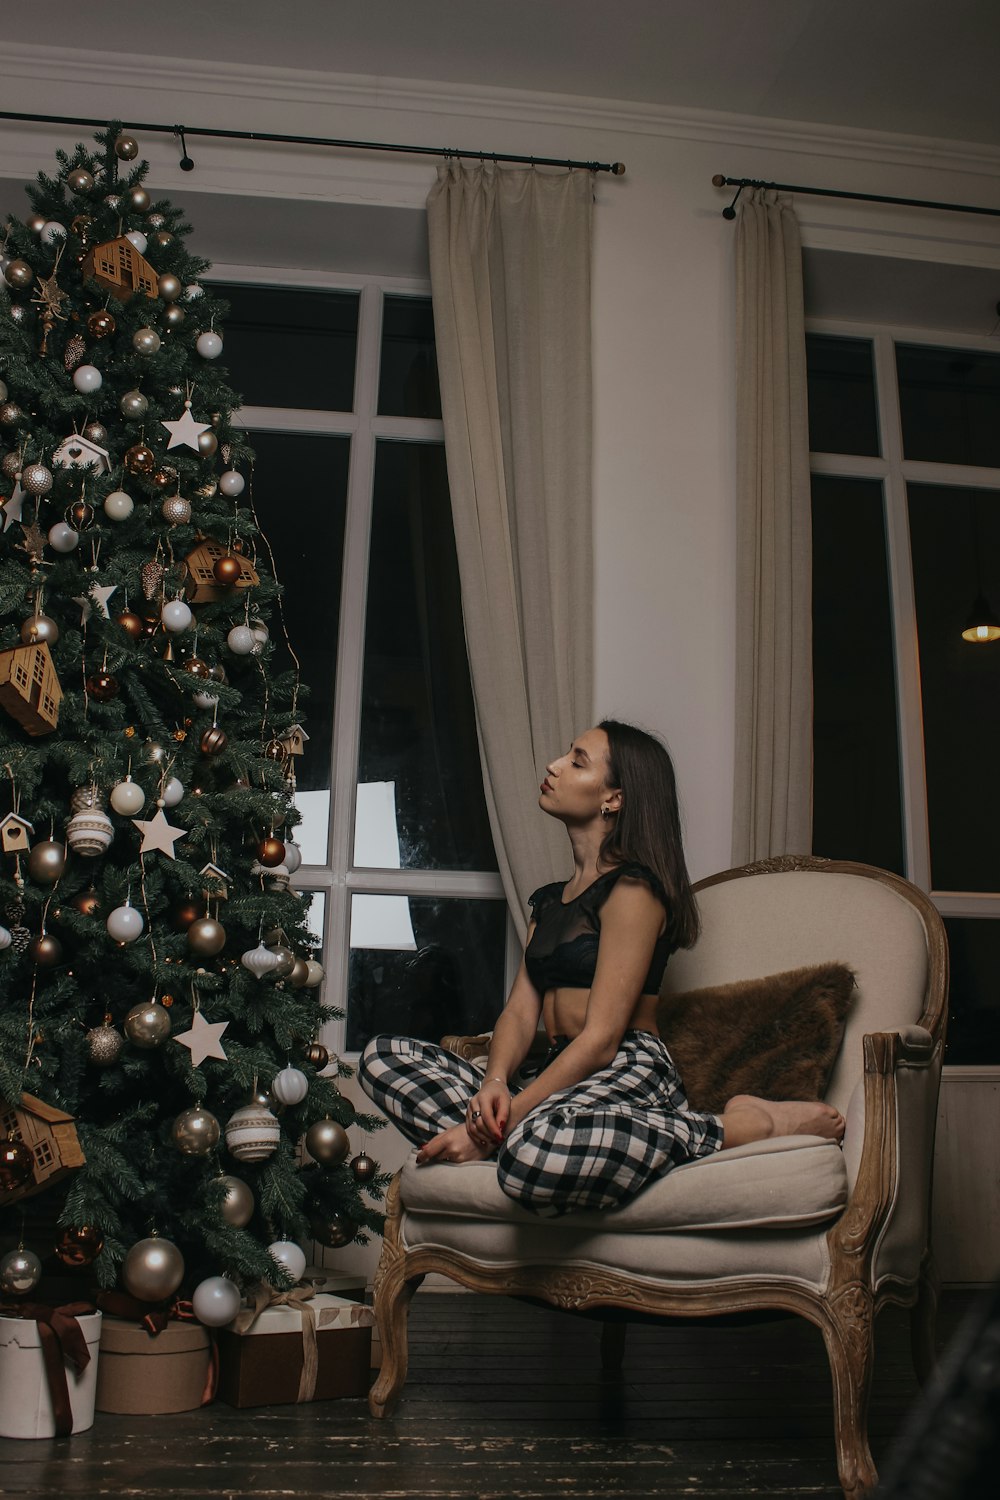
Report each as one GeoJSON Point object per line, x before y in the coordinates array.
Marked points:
{"type": "Point", "coordinates": [150, 1374]}
{"type": "Point", "coordinates": [301, 1347]}
{"type": "Point", "coordinates": [48, 1370]}
{"type": "Point", "coordinates": [351, 1285]}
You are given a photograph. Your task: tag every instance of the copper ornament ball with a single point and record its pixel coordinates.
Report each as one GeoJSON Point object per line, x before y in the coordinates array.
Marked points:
{"type": "Point", "coordinates": [47, 861]}
{"type": "Point", "coordinates": [79, 180]}
{"type": "Point", "coordinates": [327, 1142]}
{"type": "Point", "coordinates": [138, 200]}
{"type": "Point", "coordinates": [317, 1054]}
{"type": "Point", "coordinates": [196, 666]}
{"type": "Point", "coordinates": [80, 514]}
{"type": "Point", "coordinates": [86, 902]}
{"type": "Point", "coordinates": [126, 147]}
{"type": "Point", "coordinates": [270, 852]}
{"type": "Point", "coordinates": [130, 623]}
{"type": "Point", "coordinates": [19, 274]}
{"type": "Point", "coordinates": [334, 1231]}
{"type": "Point", "coordinates": [227, 570]}
{"type": "Point", "coordinates": [16, 1165]}
{"type": "Point", "coordinates": [174, 316]}
{"type": "Point", "coordinates": [101, 324]}
{"type": "Point", "coordinates": [195, 1132]}
{"type": "Point", "coordinates": [213, 741]}
{"type": "Point", "coordinates": [185, 913]}
{"type": "Point", "coordinates": [79, 1244]}
{"type": "Point", "coordinates": [164, 478]}
{"type": "Point", "coordinates": [45, 950]}
{"type": "Point", "coordinates": [103, 686]}
{"type": "Point", "coordinates": [163, 236]}
{"type": "Point", "coordinates": [140, 459]}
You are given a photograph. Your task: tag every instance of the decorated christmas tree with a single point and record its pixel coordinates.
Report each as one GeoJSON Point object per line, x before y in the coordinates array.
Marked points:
{"type": "Point", "coordinates": [159, 990]}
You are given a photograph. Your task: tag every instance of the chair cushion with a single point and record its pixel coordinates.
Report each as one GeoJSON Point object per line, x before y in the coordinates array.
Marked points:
{"type": "Point", "coordinates": [787, 1182]}
{"type": "Point", "coordinates": [777, 1037]}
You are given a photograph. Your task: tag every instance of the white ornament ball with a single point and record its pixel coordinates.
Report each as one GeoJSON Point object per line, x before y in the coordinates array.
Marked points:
{"type": "Point", "coordinates": [87, 379]}
{"type": "Point", "coordinates": [176, 615]}
{"type": "Point", "coordinates": [153, 1269]}
{"type": "Point", "coordinates": [172, 791]}
{"type": "Point", "coordinates": [290, 1086]}
{"type": "Point", "coordinates": [216, 1301]}
{"type": "Point", "coordinates": [260, 633]}
{"type": "Point", "coordinates": [241, 640]}
{"type": "Point", "coordinates": [209, 345]}
{"type": "Point", "coordinates": [193, 291]}
{"type": "Point", "coordinates": [128, 798]}
{"type": "Point", "coordinates": [89, 833]}
{"type": "Point", "coordinates": [5, 938]}
{"type": "Point", "coordinates": [52, 232]}
{"type": "Point", "coordinates": [20, 1272]}
{"type": "Point", "coordinates": [125, 924]}
{"type": "Point", "coordinates": [118, 506]}
{"type": "Point", "coordinates": [252, 1133]}
{"type": "Point", "coordinates": [206, 700]}
{"type": "Point", "coordinates": [260, 961]}
{"type": "Point", "coordinates": [138, 239]}
{"type": "Point", "coordinates": [63, 538]}
{"type": "Point", "coordinates": [315, 975]}
{"type": "Point", "coordinates": [232, 484]}
{"type": "Point", "coordinates": [293, 856]}
{"type": "Point", "coordinates": [289, 1255]}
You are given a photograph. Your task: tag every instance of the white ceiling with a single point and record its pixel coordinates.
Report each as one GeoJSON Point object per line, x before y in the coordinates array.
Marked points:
{"type": "Point", "coordinates": [924, 67]}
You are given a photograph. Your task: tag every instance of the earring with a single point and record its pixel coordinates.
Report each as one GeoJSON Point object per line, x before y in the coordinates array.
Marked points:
{"type": "Point", "coordinates": [605, 811]}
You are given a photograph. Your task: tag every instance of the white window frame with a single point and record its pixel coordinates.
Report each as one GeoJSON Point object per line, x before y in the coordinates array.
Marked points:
{"type": "Point", "coordinates": [339, 879]}
{"type": "Point", "coordinates": [894, 473]}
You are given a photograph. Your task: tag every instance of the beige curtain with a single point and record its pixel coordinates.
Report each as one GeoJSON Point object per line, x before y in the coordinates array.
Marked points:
{"type": "Point", "coordinates": [773, 794]}
{"type": "Point", "coordinates": [510, 274]}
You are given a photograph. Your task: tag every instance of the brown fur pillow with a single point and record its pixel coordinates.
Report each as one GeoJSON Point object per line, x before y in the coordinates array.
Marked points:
{"type": "Point", "coordinates": [776, 1037]}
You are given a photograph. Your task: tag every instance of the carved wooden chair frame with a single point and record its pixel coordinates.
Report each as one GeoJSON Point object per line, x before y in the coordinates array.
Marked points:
{"type": "Point", "coordinates": [844, 1313]}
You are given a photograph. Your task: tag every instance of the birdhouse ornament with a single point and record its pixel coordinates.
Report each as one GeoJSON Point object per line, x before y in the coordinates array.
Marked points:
{"type": "Point", "coordinates": [15, 834]}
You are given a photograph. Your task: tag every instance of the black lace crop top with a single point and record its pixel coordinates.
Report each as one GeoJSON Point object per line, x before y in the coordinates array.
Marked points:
{"type": "Point", "coordinates": [563, 946]}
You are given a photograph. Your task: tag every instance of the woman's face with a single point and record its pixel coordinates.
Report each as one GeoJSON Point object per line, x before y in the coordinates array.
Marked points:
{"type": "Point", "coordinates": [575, 788]}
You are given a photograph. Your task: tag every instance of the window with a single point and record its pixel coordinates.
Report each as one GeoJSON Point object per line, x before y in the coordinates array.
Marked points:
{"type": "Point", "coordinates": [906, 534]}
{"type": "Point", "coordinates": [340, 393]}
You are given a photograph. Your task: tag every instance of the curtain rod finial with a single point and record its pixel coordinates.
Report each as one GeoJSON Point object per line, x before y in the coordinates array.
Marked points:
{"type": "Point", "coordinates": [718, 180]}
{"type": "Point", "coordinates": [618, 168]}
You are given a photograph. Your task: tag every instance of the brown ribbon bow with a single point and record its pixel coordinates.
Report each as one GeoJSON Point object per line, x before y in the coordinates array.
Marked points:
{"type": "Point", "coordinates": [299, 1297]}
{"type": "Point", "coordinates": [61, 1338]}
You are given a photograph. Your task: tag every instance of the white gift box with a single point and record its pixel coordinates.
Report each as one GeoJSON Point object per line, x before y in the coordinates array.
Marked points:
{"type": "Point", "coordinates": [26, 1409]}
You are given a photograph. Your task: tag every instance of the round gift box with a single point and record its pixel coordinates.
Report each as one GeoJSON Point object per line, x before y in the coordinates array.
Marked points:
{"type": "Point", "coordinates": [26, 1410]}
{"type": "Point", "coordinates": [152, 1374]}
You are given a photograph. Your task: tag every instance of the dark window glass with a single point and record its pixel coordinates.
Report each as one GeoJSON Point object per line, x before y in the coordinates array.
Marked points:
{"type": "Point", "coordinates": [842, 411]}
{"type": "Point", "coordinates": [949, 401]}
{"type": "Point", "coordinates": [408, 375]}
{"type": "Point", "coordinates": [974, 1015]}
{"type": "Point", "coordinates": [285, 347]}
{"type": "Point", "coordinates": [437, 969]}
{"type": "Point", "coordinates": [418, 729]}
{"type": "Point", "coordinates": [856, 805]}
{"type": "Point", "coordinates": [955, 547]}
{"type": "Point", "coordinates": [308, 545]}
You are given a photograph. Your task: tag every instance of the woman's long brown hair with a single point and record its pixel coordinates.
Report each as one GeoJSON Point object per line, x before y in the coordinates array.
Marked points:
{"type": "Point", "coordinates": [647, 830]}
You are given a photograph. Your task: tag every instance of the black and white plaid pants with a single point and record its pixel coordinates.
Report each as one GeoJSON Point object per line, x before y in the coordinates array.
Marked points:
{"type": "Point", "coordinates": [593, 1145]}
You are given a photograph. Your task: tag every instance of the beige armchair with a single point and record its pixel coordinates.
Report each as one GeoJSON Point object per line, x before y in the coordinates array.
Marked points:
{"type": "Point", "coordinates": [794, 1223]}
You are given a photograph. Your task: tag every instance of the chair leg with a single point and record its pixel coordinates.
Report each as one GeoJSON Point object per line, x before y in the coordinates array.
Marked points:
{"type": "Point", "coordinates": [923, 1319]}
{"type": "Point", "coordinates": [612, 1345]}
{"type": "Point", "coordinates": [393, 1295]}
{"type": "Point", "coordinates": [848, 1335]}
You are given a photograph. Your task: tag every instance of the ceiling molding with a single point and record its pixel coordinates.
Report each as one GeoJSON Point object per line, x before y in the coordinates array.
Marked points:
{"type": "Point", "coordinates": [141, 84]}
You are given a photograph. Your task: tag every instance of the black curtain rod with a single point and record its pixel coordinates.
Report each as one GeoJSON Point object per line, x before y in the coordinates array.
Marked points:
{"type": "Point", "coordinates": [181, 131]}
{"type": "Point", "coordinates": [739, 183]}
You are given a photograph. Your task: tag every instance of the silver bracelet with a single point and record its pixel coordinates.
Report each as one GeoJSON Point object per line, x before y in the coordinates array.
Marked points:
{"type": "Point", "coordinates": [495, 1078]}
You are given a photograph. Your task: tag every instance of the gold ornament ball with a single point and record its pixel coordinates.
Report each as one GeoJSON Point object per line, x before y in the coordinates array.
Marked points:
{"type": "Point", "coordinates": [164, 479]}
{"type": "Point", "coordinates": [206, 937]}
{"type": "Point", "coordinates": [147, 1025]}
{"type": "Point", "coordinates": [19, 274]}
{"type": "Point", "coordinates": [227, 570]}
{"type": "Point", "coordinates": [153, 1269]}
{"type": "Point", "coordinates": [238, 1204]}
{"type": "Point", "coordinates": [195, 1132]}
{"type": "Point", "coordinates": [140, 459]}
{"type": "Point", "coordinates": [208, 444]}
{"type": "Point", "coordinates": [96, 432]}
{"type": "Point", "coordinates": [335, 1231]}
{"type": "Point", "coordinates": [169, 286]}
{"type": "Point", "coordinates": [16, 1165]}
{"type": "Point", "coordinates": [20, 1272]}
{"type": "Point", "coordinates": [10, 464]}
{"type": "Point", "coordinates": [176, 510]}
{"type": "Point", "coordinates": [213, 741]}
{"type": "Point", "coordinates": [317, 1054]}
{"type": "Point", "coordinates": [287, 963]}
{"type": "Point", "coordinates": [79, 180]}
{"type": "Point", "coordinates": [36, 479]}
{"type": "Point", "coordinates": [146, 341]}
{"type": "Point", "coordinates": [299, 974]}
{"type": "Point", "coordinates": [45, 950]}
{"type": "Point", "coordinates": [101, 324]}
{"type": "Point", "coordinates": [174, 316]}
{"type": "Point", "coordinates": [86, 902]}
{"type": "Point", "coordinates": [138, 200]}
{"type": "Point", "coordinates": [104, 1045]}
{"type": "Point", "coordinates": [36, 223]}
{"type": "Point", "coordinates": [47, 861]}
{"type": "Point", "coordinates": [364, 1167]}
{"type": "Point", "coordinates": [10, 414]}
{"type": "Point", "coordinates": [79, 1244]}
{"type": "Point", "coordinates": [163, 236]}
{"type": "Point", "coordinates": [126, 147]}
{"type": "Point", "coordinates": [327, 1142]}
{"type": "Point", "coordinates": [38, 628]}
{"type": "Point", "coordinates": [204, 491]}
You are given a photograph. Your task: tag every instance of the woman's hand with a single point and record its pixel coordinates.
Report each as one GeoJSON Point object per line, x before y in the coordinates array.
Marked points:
{"type": "Point", "coordinates": [452, 1145]}
{"type": "Point", "coordinates": [487, 1113]}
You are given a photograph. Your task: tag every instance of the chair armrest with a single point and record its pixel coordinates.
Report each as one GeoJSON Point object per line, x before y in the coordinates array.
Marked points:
{"type": "Point", "coordinates": [469, 1047]}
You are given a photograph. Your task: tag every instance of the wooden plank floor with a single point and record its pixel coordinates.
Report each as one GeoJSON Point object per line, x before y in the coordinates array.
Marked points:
{"type": "Point", "coordinates": [508, 1402]}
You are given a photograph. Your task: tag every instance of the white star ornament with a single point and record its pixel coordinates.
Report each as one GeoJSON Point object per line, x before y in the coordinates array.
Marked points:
{"type": "Point", "coordinates": [203, 1039]}
{"type": "Point", "coordinates": [158, 834]}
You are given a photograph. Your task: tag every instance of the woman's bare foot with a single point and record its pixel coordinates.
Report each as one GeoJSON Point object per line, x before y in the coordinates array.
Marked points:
{"type": "Point", "coordinates": [747, 1118]}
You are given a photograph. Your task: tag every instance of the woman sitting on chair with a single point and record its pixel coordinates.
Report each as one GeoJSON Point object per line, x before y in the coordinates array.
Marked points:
{"type": "Point", "coordinates": [606, 1113]}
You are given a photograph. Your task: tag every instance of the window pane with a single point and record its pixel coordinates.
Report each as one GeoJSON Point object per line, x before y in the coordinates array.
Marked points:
{"type": "Point", "coordinates": [856, 805]}
{"type": "Point", "coordinates": [418, 730]}
{"type": "Point", "coordinates": [949, 403]}
{"type": "Point", "coordinates": [408, 376]}
{"type": "Point", "coordinates": [291, 348]}
{"type": "Point", "coordinates": [842, 415]}
{"type": "Point", "coordinates": [974, 1015]}
{"type": "Point", "coordinates": [300, 494]}
{"type": "Point", "coordinates": [424, 967]}
{"type": "Point", "coordinates": [955, 546]}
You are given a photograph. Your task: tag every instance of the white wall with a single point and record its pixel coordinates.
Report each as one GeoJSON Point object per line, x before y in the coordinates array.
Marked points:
{"type": "Point", "coordinates": [663, 312]}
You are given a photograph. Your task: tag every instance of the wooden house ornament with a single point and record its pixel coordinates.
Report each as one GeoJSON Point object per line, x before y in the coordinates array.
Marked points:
{"type": "Point", "coordinates": [14, 834]}
{"type": "Point", "coordinates": [293, 740]}
{"type": "Point", "coordinates": [76, 452]}
{"type": "Point", "coordinates": [49, 1135]}
{"type": "Point", "coordinates": [118, 266]}
{"type": "Point", "coordinates": [202, 586]}
{"type": "Point", "coordinates": [217, 882]}
{"type": "Point", "coordinates": [29, 687]}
